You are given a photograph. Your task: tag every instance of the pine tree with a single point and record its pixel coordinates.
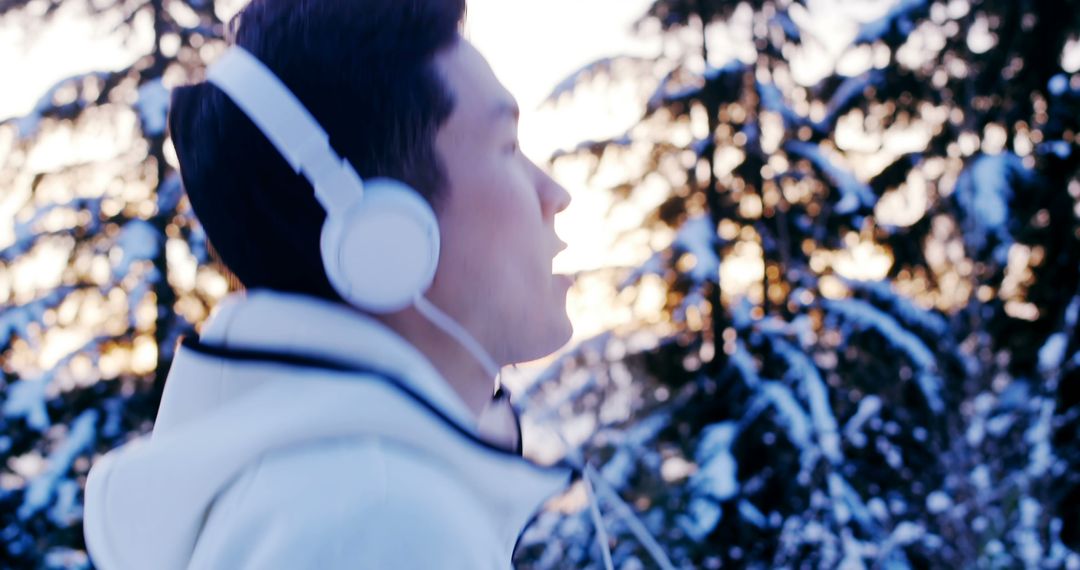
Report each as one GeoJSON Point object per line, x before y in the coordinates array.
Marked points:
{"type": "Point", "coordinates": [926, 415]}
{"type": "Point", "coordinates": [106, 267]}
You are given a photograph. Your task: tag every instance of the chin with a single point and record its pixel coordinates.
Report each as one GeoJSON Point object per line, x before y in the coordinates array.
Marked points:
{"type": "Point", "coordinates": [567, 331]}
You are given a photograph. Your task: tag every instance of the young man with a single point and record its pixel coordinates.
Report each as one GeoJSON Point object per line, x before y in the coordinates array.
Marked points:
{"type": "Point", "coordinates": [302, 431]}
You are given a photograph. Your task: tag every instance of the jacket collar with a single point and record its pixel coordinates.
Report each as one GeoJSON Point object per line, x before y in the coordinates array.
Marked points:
{"type": "Point", "coordinates": [300, 324]}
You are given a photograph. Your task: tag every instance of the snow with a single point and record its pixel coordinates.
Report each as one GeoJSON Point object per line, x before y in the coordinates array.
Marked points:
{"type": "Point", "coordinates": [741, 314]}
{"type": "Point", "coordinates": [618, 469]}
{"type": "Point", "coordinates": [80, 439]}
{"type": "Point", "coordinates": [26, 399]}
{"type": "Point", "coordinates": [66, 509]}
{"type": "Point", "coordinates": [698, 237]}
{"type": "Point", "coordinates": [138, 241]}
{"type": "Point", "coordinates": [28, 125]}
{"type": "Point", "coordinates": [632, 442]}
{"type": "Point", "coordinates": [791, 29]}
{"type": "Point", "coordinates": [27, 232]}
{"type": "Point", "coordinates": [153, 106]}
{"type": "Point", "coordinates": [789, 413]}
{"type": "Point", "coordinates": [992, 193]}
{"type": "Point", "coordinates": [732, 67]}
{"type": "Point", "coordinates": [15, 320]}
{"type": "Point", "coordinates": [663, 96]}
{"type": "Point", "coordinates": [853, 193]}
{"type": "Point", "coordinates": [804, 374]}
{"type": "Point", "coordinates": [983, 192]}
{"type": "Point", "coordinates": [999, 425]}
{"type": "Point", "coordinates": [1038, 437]}
{"type": "Point", "coordinates": [938, 502]}
{"type": "Point", "coordinates": [701, 517]}
{"type": "Point", "coordinates": [1015, 396]}
{"type": "Point", "coordinates": [701, 146]}
{"type": "Point", "coordinates": [169, 193]}
{"type": "Point", "coordinates": [980, 477]}
{"type": "Point", "coordinates": [1058, 84]}
{"type": "Point", "coordinates": [849, 91]}
{"type": "Point", "coordinates": [716, 476]}
{"type": "Point", "coordinates": [1029, 511]}
{"type": "Point", "coordinates": [652, 266]}
{"type": "Point", "coordinates": [854, 502]}
{"type": "Point", "coordinates": [1060, 149]}
{"type": "Point", "coordinates": [571, 81]}
{"type": "Point", "coordinates": [694, 298]}
{"type": "Point", "coordinates": [906, 533]}
{"type": "Point", "coordinates": [866, 316]}
{"type": "Point", "coordinates": [890, 452]}
{"type": "Point", "coordinates": [1027, 535]}
{"type": "Point", "coordinates": [596, 146]}
{"type": "Point", "coordinates": [1072, 313]}
{"type": "Point", "coordinates": [744, 363]}
{"type": "Point", "coordinates": [804, 330]}
{"type": "Point", "coordinates": [852, 552]}
{"type": "Point", "coordinates": [139, 291]}
{"type": "Point", "coordinates": [752, 514]}
{"type": "Point", "coordinates": [869, 406]}
{"type": "Point", "coordinates": [877, 508]}
{"type": "Point", "coordinates": [773, 100]}
{"type": "Point", "coordinates": [899, 16]}
{"type": "Point", "coordinates": [881, 294]}
{"type": "Point", "coordinates": [68, 558]}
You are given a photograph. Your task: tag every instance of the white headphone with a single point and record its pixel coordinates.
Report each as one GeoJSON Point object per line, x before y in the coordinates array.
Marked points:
{"type": "Point", "coordinates": [380, 240]}
{"type": "Point", "coordinates": [382, 228]}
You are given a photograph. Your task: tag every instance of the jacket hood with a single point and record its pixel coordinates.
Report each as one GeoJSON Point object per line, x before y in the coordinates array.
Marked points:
{"type": "Point", "coordinates": [146, 501]}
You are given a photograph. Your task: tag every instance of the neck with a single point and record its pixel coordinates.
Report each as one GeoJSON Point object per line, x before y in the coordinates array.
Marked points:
{"type": "Point", "coordinates": [461, 370]}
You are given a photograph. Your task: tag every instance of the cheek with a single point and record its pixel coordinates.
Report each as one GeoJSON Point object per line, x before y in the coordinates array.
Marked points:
{"type": "Point", "coordinates": [492, 228]}
{"type": "Point", "coordinates": [494, 205]}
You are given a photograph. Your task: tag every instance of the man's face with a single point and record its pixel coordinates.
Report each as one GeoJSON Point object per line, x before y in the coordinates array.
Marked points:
{"type": "Point", "coordinates": [496, 221]}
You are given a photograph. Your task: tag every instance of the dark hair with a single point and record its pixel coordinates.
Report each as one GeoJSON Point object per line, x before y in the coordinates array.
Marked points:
{"type": "Point", "coordinates": [365, 70]}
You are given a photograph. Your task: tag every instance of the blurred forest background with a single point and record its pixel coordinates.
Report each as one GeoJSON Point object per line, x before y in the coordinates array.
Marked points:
{"type": "Point", "coordinates": [850, 340]}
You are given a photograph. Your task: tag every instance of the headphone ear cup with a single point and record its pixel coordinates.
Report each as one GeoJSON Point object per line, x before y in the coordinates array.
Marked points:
{"type": "Point", "coordinates": [382, 250]}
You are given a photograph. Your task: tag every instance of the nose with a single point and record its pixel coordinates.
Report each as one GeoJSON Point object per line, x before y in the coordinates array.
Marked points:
{"type": "Point", "coordinates": [553, 197]}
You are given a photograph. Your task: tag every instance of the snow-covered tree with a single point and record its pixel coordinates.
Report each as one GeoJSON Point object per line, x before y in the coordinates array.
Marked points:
{"type": "Point", "coordinates": [887, 374]}
{"type": "Point", "coordinates": [865, 352]}
{"type": "Point", "coordinates": [102, 265]}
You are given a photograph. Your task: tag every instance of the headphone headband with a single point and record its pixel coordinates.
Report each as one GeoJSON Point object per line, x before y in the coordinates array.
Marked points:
{"type": "Point", "coordinates": [288, 125]}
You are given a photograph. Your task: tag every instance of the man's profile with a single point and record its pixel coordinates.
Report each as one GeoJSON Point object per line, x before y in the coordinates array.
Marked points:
{"type": "Point", "coordinates": [308, 427]}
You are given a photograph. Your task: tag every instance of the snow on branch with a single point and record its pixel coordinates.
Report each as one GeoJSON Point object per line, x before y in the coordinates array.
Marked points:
{"type": "Point", "coordinates": [862, 316]}
{"type": "Point", "coordinates": [854, 195]}
{"type": "Point", "coordinates": [983, 193]}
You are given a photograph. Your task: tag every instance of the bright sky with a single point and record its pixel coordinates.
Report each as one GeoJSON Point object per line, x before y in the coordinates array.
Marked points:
{"type": "Point", "coordinates": [531, 45]}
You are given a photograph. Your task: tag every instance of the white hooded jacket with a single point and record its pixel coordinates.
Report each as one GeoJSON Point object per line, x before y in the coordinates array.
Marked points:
{"type": "Point", "coordinates": [262, 465]}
